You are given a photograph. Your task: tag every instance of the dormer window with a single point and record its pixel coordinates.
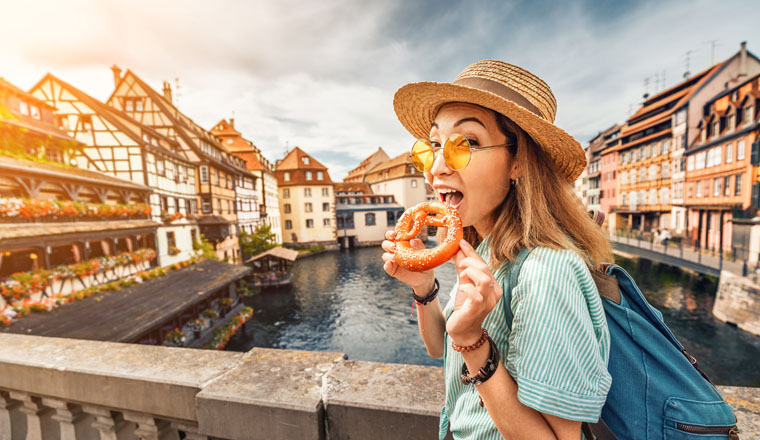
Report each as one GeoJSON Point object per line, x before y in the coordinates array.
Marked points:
{"type": "Point", "coordinates": [748, 116]}
{"type": "Point", "coordinates": [320, 175]}
{"type": "Point", "coordinates": [129, 105]}
{"type": "Point", "coordinates": [305, 160]}
{"type": "Point", "coordinates": [23, 108]}
{"type": "Point", "coordinates": [86, 122]}
{"type": "Point", "coordinates": [731, 122]}
{"type": "Point", "coordinates": [286, 176]}
{"type": "Point", "coordinates": [308, 175]}
{"type": "Point", "coordinates": [716, 129]}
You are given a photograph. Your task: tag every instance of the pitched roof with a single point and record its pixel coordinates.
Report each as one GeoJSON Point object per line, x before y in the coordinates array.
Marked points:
{"type": "Point", "coordinates": [294, 160]}
{"type": "Point", "coordinates": [117, 118]}
{"type": "Point", "coordinates": [278, 252]}
{"type": "Point", "coordinates": [352, 187]}
{"type": "Point", "coordinates": [361, 170]}
{"type": "Point", "coordinates": [182, 123]}
{"type": "Point", "coordinates": [240, 147]}
{"type": "Point", "coordinates": [4, 84]}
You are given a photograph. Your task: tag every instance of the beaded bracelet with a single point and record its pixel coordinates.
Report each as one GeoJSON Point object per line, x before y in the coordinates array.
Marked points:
{"type": "Point", "coordinates": [486, 371]}
{"type": "Point", "coordinates": [475, 346]}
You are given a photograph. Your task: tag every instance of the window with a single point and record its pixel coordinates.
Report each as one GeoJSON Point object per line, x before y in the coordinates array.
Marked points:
{"type": "Point", "coordinates": [715, 128]}
{"type": "Point", "coordinates": [414, 183]}
{"type": "Point", "coordinates": [307, 192]}
{"type": "Point", "coordinates": [633, 177]}
{"type": "Point", "coordinates": [665, 170]}
{"type": "Point", "coordinates": [286, 176]}
{"type": "Point", "coordinates": [309, 223]}
{"type": "Point", "coordinates": [731, 122]}
{"type": "Point", "coordinates": [624, 178]}
{"type": "Point", "coordinates": [160, 167]}
{"type": "Point", "coordinates": [286, 208]}
{"type": "Point", "coordinates": [288, 224]}
{"type": "Point", "coordinates": [325, 207]}
{"type": "Point", "coordinates": [216, 173]}
{"type": "Point", "coordinates": [34, 111]}
{"type": "Point", "coordinates": [286, 193]}
{"type": "Point", "coordinates": [308, 175]}
{"type": "Point", "coordinates": [727, 186]}
{"type": "Point", "coordinates": [320, 175]}
{"type": "Point", "coordinates": [740, 150]}
{"type": "Point", "coordinates": [206, 206]}
{"type": "Point", "coordinates": [369, 219]}
{"type": "Point", "coordinates": [139, 105]}
{"type": "Point", "coordinates": [23, 108]}
{"type": "Point", "coordinates": [699, 189]}
{"type": "Point", "coordinates": [690, 164]}
{"type": "Point", "coordinates": [325, 192]}
{"type": "Point", "coordinates": [716, 186]}
{"type": "Point", "coordinates": [170, 240]}
{"type": "Point", "coordinates": [738, 184]}
{"type": "Point", "coordinates": [666, 146]}
{"type": "Point", "coordinates": [391, 218]}
{"type": "Point", "coordinates": [326, 222]}
{"type": "Point", "coordinates": [653, 172]}
{"type": "Point", "coordinates": [307, 207]}
{"type": "Point", "coordinates": [642, 175]}
{"type": "Point", "coordinates": [129, 105]}
{"type": "Point", "coordinates": [305, 160]}
{"type": "Point", "coordinates": [748, 116]}
{"type": "Point", "coordinates": [729, 153]}
{"type": "Point", "coordinates": [701, 157]}
{"type": "Point", "coordinates": [652, 196]}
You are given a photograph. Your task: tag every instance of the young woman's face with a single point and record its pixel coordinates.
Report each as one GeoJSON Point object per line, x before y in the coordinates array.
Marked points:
{"type": "Point", "coordinates": [484, 183]}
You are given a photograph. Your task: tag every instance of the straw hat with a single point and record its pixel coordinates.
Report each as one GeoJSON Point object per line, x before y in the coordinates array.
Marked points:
{"type": "Point", "coordinates": [507, 89]}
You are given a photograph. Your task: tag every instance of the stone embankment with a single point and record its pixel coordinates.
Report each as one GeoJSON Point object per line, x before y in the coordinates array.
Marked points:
{"type": "Point", "coordinates": [74, 389]}
{"type": "Point", "coordinates": [738, 302]}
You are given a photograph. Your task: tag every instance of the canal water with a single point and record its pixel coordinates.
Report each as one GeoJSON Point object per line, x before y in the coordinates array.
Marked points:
{"type": "Point", "coordinates": [344, 302]}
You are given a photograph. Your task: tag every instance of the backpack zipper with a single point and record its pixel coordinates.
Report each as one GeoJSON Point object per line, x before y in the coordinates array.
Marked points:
{"type": "Point", "coordinates": [698, 429]}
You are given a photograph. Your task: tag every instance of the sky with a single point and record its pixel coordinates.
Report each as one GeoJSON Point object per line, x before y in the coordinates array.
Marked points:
{"type": "Point", "coordinates": [321, 74]}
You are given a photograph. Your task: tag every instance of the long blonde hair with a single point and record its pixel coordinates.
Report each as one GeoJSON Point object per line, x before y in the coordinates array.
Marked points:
{"type": "Point", "coordinates": [540, 209]}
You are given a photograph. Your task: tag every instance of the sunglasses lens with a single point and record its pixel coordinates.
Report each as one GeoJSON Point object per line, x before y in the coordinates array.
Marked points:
{"type": "Point", "coordinates": [422, 155]}
{"type": "Point", "coordinates": [456, 151]}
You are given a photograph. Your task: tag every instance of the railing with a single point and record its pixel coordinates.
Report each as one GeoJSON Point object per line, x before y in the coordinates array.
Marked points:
{"type": "Point", "coordinates": [675, 248]}
{"type": "Point", "coordinates": [74, 389]}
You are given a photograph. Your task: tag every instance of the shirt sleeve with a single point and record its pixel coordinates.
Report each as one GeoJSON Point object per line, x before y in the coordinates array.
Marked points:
{"type": "Point", "coordinates": [555, 355]}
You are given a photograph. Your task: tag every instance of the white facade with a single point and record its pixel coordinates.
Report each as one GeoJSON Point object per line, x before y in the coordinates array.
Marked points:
{"type": "Point", "coordinates": [268, 193]}
{"type": "Point", "coordinates": [407, 190]}
{"type": "Point", "coordinates": [677, 223]}
{"type": "Point", "coordinates": [247, 203]}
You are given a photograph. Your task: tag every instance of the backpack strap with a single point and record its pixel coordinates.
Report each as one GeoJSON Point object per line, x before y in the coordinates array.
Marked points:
{"type": "Point", "coordinates": [512, 274]}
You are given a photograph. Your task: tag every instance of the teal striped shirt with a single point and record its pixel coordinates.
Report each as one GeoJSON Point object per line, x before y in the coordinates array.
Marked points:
{"type": "Point", "coordinates": [557, 351]}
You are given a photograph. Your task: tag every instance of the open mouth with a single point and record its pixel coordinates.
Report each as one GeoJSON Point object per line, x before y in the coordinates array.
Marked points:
{"type": "Point", "coordinates": [451, 196]}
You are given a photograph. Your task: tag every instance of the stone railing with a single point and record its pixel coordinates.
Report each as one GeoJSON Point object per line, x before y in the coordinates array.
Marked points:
{"type": "Point", "coordinates": [73, 389]}
{"type": "Point", "coordinates": [67, 389]}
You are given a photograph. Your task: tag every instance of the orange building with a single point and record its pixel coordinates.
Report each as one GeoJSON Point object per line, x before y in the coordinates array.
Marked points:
{"type": "Point", "coordinates": [650, 169]}
{"type": "Point", "coordinates": [722, 172]}
{"type": "Point", "coordinates": [359, 174]}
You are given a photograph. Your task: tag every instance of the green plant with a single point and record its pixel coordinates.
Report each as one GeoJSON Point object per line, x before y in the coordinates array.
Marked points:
{"type": "Point", "coordinates": [204, 249]}
{"type": "Point", "coordinates": [261, 240]}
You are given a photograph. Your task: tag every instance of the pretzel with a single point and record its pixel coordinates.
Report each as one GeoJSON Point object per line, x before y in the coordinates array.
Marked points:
{"type": "Point", "coordinates": [410, 225]}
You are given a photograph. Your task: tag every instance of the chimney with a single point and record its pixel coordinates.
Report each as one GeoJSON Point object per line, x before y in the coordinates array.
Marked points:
{"type": "Point", "coordinates": [168, 91]}
{"type": "Point", "coordinates": [742, 61]}
{"type": "Point", "coordinates": [116, 75]}
{"type": "Point", "coordinates": [232, 122]}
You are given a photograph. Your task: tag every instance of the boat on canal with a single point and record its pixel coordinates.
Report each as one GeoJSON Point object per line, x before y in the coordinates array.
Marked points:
{"type": "Point", "coordinates": [272, 269]}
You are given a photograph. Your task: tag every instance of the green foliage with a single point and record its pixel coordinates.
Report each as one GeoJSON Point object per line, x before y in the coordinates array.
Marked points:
{"type": "Point", "coordinates": [19, 143]}
{"type": "Point", "coordinates": [262, 239]}
{"type": "Point", "coordinates": [204, 249]}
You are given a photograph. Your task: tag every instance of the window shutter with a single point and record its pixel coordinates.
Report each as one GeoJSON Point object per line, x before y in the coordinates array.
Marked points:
{"type": "Point", "coordinates": [756, 196]}
{"type": "Point", "coordinates": [755, 155]}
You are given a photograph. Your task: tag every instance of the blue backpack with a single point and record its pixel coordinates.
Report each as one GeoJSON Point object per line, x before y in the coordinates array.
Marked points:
{"type": "Point", "coordinates": [658, 390]}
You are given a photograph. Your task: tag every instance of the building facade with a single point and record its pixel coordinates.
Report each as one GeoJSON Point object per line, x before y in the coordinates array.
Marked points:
{"type": "Point", "coordinates": [217, 169]}
{"type": "Point", "coordinates": [307, 200]}
{"type": "Point", "coordinates": [363, 217]}
{"type": "Point", "coordinates": [722, 167]}
{"type": "Point", "coordinates": [399, 178]}
{"type": "Point", "coordinates": [115, 144]}
{"type": "Point", "coordinates": [359, 174]}
{"type": "Point", "coordinates": [608, 164]}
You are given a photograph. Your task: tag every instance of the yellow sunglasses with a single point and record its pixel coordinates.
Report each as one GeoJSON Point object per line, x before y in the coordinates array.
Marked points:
{"type": "Point", "coordinates": [457, 152]}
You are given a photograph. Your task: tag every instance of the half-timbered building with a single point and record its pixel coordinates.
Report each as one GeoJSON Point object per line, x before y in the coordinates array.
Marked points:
{"type": "Point", "coordinates": [216, 168]}
{"type": "Point", "coordinates": [52, 213]}
{"type": "Point", "coordinates": [116, 144]}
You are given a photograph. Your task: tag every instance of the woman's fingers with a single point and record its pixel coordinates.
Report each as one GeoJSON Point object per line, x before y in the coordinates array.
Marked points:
{"type": "Point", "coordinates": [388, 246]}
{"type": "Point", "coordinates": [482, 281]}
{"type": "Point", "coordinates": [390, 235]}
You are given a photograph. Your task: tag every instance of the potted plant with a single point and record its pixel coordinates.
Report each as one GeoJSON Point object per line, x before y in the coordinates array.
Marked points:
{"type": "Point", "coordinates": [198, 324]}
{"type": "Point", "coordinates": [175, 337]}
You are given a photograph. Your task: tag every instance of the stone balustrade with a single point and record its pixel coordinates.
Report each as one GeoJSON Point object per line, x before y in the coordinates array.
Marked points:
{"type": "Point", "coordinates": [52, 388]}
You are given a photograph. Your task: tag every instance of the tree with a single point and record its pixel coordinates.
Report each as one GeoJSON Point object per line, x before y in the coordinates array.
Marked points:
{"type": "Point", "coordinates": [260, 240]}
{"type": "Point", "coordinates": [204, 249]}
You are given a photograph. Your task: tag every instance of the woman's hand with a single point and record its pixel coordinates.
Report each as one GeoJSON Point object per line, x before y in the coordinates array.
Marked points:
{"type": "Point", "coordinates": [477, 295]}
{"type": "Point", "coordinates": [421, 282]}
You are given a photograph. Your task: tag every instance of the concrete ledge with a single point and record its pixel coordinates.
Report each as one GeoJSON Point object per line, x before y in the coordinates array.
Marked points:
{"type": "Point", "coordinates": [156, 380]}
{"type": "Point", "coordinates": [370, 400]}
{"type": "Point", "coordinates": [746, 404]}
{"type": "Point", "coordinates": [272, 393]}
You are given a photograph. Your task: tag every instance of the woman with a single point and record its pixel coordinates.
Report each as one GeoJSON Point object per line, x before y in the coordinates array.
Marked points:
{"type": "Point", "coordinates": [512, 188]}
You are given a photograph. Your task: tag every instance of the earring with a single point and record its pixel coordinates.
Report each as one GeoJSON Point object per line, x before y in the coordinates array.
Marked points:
{"type": "Point", "coordinates": [512, 182]}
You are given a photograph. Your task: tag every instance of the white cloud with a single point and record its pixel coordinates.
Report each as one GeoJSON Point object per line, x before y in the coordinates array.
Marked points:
{"type": "Point", "coordinates": [322, 75]}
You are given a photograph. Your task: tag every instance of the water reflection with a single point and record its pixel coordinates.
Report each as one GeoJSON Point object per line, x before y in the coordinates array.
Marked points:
{"type": "Point", "coordinates": [344, 302]}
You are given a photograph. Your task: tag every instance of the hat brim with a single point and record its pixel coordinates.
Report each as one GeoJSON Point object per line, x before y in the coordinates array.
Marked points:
{"type": "Point", "coordinates": [416, 105]}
